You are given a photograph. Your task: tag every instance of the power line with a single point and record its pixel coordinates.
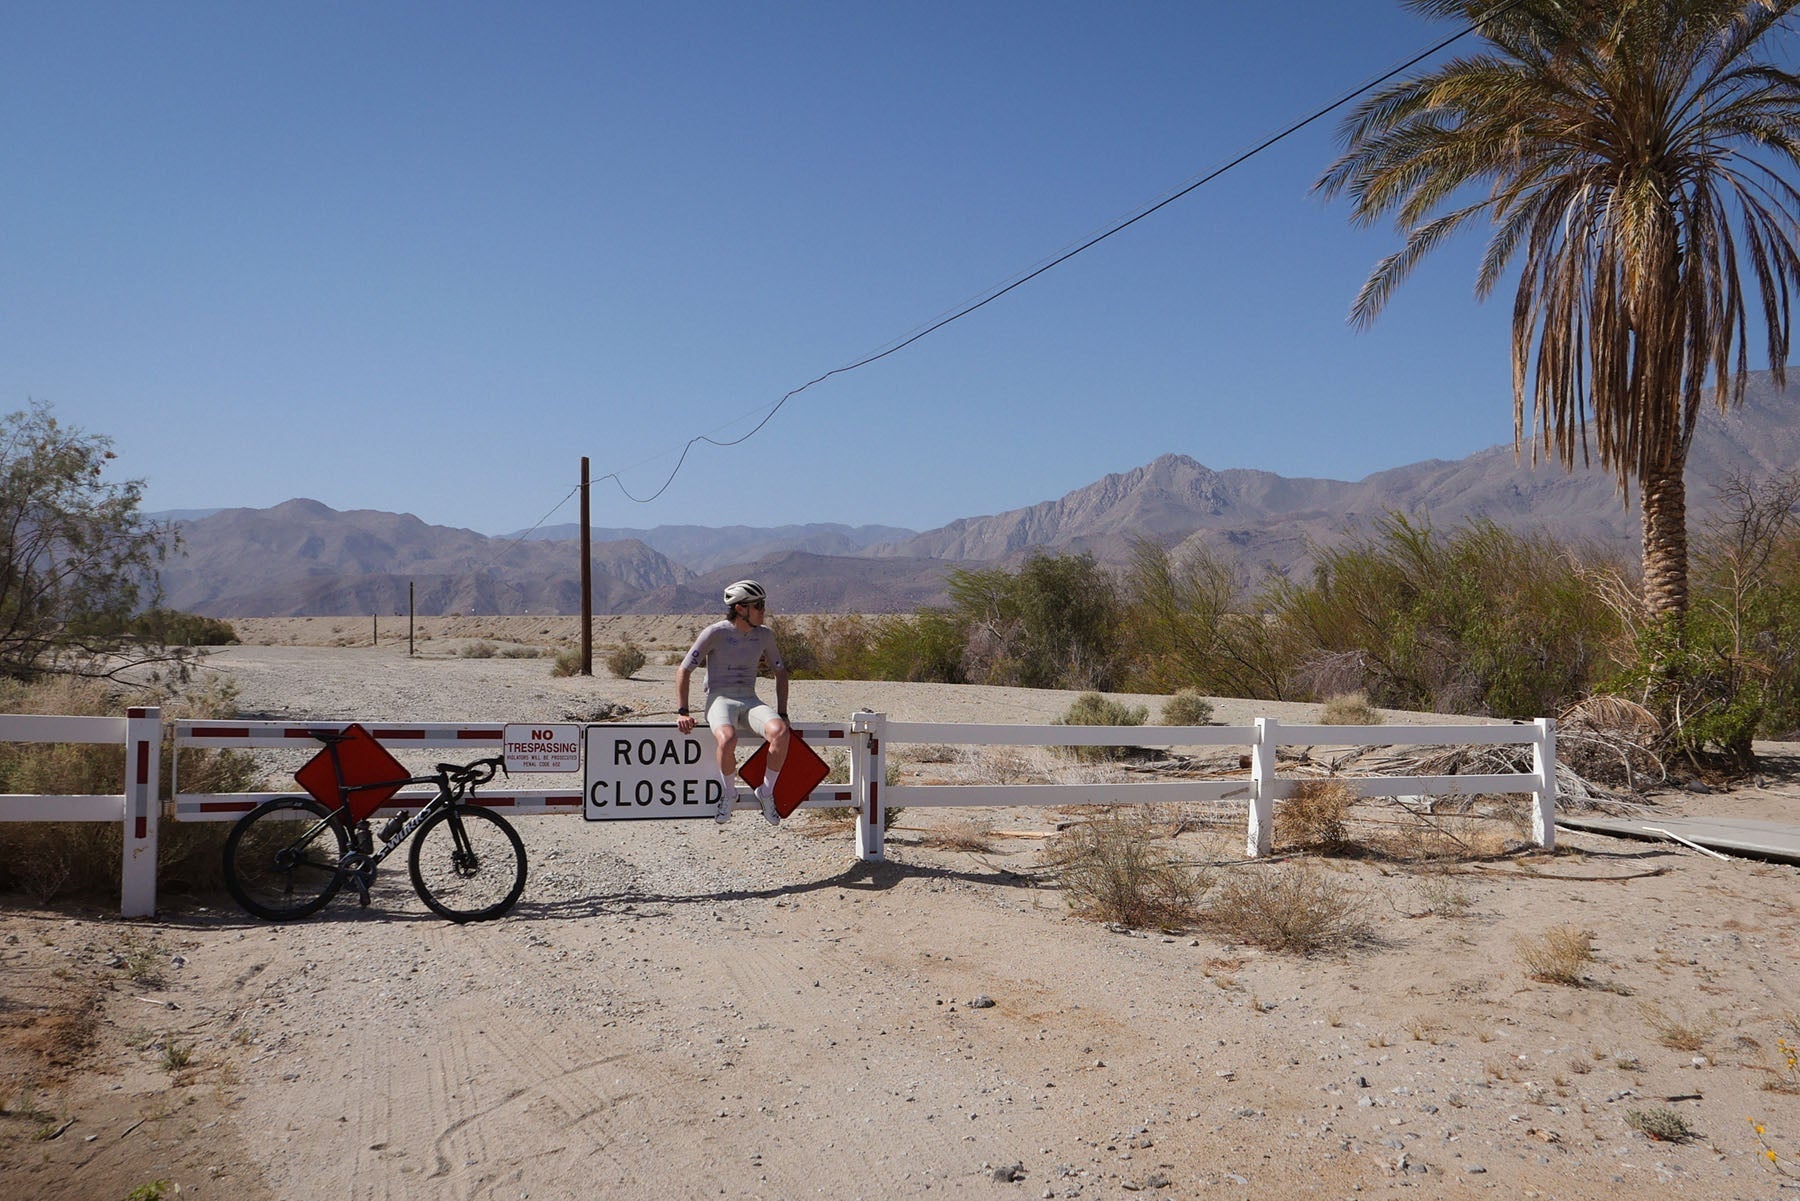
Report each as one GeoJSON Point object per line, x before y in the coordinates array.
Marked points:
{"type": "Point", "coordinates": [1056, 261]}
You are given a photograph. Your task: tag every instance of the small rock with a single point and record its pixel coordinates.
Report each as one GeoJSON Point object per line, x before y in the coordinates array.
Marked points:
{"type": "Point", "coordinates": [1009, 1173]}
{"type": "Point", "coordinates": [982, 1001]}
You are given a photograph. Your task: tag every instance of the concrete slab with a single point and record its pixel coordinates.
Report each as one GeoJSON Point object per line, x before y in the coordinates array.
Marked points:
{"type": "Point", "coordinates": [1732, 835]}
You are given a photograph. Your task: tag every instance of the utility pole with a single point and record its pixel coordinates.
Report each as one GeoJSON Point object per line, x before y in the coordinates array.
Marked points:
{"type": "Point", "coordinates": [587, 580]}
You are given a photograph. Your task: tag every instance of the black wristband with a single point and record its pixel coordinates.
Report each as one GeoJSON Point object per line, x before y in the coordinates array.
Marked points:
{"type": "Point", "coordinates": [681, 712]}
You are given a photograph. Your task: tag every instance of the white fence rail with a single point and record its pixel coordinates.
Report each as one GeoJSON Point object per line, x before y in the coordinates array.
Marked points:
{"type": "Point", "coordinates": [1263, 788]}
{"type": "Point", "coordinates": [867, 738]}
{"type": "Point", "coordinates": [136, 806]}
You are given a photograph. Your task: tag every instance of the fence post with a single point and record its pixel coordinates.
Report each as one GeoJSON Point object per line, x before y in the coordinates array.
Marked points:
{"type": "Point", "coordinates": [868, 771]}
{"type": "Point", "coordinates": [143, 808]}
{"type": "Point", "coordinates": [1543, 762]}
{"type": "Point", "coordinates": [1262, 801]}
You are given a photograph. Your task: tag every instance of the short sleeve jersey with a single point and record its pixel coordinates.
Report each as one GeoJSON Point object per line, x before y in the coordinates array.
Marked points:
{"type": "Point", "coordinates": [731, 657]}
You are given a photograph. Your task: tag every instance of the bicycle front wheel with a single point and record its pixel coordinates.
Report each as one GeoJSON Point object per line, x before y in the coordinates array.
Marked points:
{"type": "Point", "coordinates": [468, 864]}
{"type": "Point", "coordinates": [281, 858]}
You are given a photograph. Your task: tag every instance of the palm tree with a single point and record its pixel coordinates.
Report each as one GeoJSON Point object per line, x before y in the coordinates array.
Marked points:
{"type": "Point", "coordinates": [1633, 151]}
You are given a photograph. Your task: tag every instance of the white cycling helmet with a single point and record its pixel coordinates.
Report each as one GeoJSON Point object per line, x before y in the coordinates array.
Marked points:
{"type": "Point", "coordinates": [744, 592]}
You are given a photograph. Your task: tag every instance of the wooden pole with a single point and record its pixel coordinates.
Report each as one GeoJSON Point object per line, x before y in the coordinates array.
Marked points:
{"type": "Point", "coordinates": [587, 580]}
{"type": "Point", "coordinates": [409, 617]}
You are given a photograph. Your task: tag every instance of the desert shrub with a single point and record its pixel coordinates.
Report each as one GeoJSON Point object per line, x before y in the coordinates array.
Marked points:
{"type": "Point", "coordinates": [167, 627]}
{"type": "Point", "coordinates": [49, 859]}
{"type": "Point", "coordinates": [1054, 623]}
{"type": "Point", "coordinates": [1559, 955]}
{"type": "Point", "coordinates": [1348, 709]}
{"type": "Point", "coordinates": [1094, 709]}
{"type": "Point", "coordinates": [625, 660]}
{"type": "Point", "coordinates": [1187, 708]}
{"type": "Point", "coordinates": [1315, 815]}
{"type": "Point", "coordinates": [479, 650]}
{"type": "Point", "coordinates": [1662, 1124]}
{"type": "Point", "coordinates": [1114, 871]}
{"type": "Point", "coordinates": [566, 663]}
{"type": "Point", "coordinates": [1297, 908]}
{"type": "Point", "coordinates": [1185, 623]}
{"type": "Point", "coordinates": [1482, 620]}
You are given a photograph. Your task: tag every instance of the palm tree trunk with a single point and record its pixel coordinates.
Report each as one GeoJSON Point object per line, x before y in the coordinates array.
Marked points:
{"type": "Point", "coordinates": [1664, 507]}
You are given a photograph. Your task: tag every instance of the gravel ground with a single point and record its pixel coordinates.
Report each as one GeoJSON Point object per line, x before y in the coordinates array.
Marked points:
{"type": "Point", "coordinates": [703, 1011]}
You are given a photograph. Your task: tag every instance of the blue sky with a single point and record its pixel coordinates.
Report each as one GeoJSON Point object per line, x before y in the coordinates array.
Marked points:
{"type": "Point", "coordinates": [423, 256]}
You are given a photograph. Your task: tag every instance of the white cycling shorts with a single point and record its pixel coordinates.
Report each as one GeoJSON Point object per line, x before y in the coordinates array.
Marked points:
{"type": "Point", "coordinates": [747, 713]}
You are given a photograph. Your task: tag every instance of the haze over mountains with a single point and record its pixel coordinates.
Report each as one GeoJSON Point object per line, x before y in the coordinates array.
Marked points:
{"type": "Point", "coordinates": [302, 558]}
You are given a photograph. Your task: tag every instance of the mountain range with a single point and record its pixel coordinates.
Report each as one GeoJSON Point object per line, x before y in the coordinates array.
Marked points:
{"type": "Point", "coordinates": [302, 558]}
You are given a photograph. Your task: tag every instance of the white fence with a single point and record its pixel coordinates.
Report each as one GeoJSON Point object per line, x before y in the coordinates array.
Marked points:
{"type": "Point", "coordinates": [866, 737]}
{"type": "Point", "coordinates": [1259, 792]}
{"type": "Point", "coordinates": [137, 806]}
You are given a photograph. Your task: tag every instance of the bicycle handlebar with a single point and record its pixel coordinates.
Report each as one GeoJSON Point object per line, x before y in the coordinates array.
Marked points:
{"type": "Point", "coordinates": [478, 772]}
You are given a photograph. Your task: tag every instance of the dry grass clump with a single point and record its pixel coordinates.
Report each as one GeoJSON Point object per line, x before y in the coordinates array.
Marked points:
{"type": "Point", "coordinates": [1559, 955]}
{"type": "Point", "coordinates": [961, 834]}
{"type": "Point", "coordinates": [1315, 815]}
{"type": "Point", "coordinates": [1113, 870]}
{"type": "Point", "coordinates": [1348, 709]}
{"type": "Point", "coordinates": [1678, 1031]}
{"type": "Point", "coordinates": [1297, 908]}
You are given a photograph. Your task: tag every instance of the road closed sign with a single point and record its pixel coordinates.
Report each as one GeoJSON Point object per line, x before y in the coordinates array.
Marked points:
{"type": "Point", "coordinates": [542, 748]}
{"type": "Point", "coordinates": [638, 772]}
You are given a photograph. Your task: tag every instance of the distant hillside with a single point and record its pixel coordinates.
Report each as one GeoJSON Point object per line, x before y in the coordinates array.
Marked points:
{"type": "Point", "coordinates": [705, 548]}
{"type": "Point", "coordinates": [302, 558]}
{"type": "Point", "coordinates": [1266, 521]}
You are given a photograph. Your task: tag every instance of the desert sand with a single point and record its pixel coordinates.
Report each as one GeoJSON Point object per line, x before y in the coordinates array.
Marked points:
{"type": "Point", "coordinates": [678, 1009]}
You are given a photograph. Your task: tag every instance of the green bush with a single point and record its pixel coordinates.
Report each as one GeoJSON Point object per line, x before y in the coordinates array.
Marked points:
{"type": "Point", "coordinates": [1482, 621]}
{"type": "Point", "coordinates": [625, 660]}
{"type": "Point", "coordinates": [1055, 623]}
{"type": "Point", "coordinates": [1094, 709]}
{"type": "Point", "coordinates": [168, 627]}
{"type": "Point", "coordinates": [1187, 708]}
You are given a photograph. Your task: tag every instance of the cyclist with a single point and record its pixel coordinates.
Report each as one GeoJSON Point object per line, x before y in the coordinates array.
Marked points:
{"type": "Point", "coordinates": [732, 650]}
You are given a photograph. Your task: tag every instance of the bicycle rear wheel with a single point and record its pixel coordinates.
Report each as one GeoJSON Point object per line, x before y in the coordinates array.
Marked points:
{"type": "Point", "coordinates": [280, 863]}
{"type": "Point", "coordinates": [468, 864]}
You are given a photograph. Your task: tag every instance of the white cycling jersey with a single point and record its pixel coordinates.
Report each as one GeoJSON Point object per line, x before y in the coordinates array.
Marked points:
{"type": "Point", "coordinates": [732, 656]}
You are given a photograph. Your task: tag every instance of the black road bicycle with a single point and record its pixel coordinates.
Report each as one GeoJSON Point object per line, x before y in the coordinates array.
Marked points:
{"type": "Point", "coordinates": [289, 856]}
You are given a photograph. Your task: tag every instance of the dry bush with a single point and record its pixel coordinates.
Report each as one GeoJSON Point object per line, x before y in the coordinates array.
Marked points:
{"type": "Point", "coordinates": [1443, 896]}
{"type": "Point", "coordinates": [1112, 870]}
{"type": "Point", "coordinates": [625, 660]}
{"type": "Point", "coordinates": [1348, 709]}
{"type": "Point", "coordinates": [1006, 764]}
{"type": "Point", "coordinates": [50, 859]}
{"type": "Point", "coordinates": [1187, 708]}
{"type": "Point", "coordinates": [478, 650]}
{"type": "Point", "coordinates": [1297, 908]}
{"type": "Point", "coordinates": [960, 834]}
{"type": "Point", "coordinates": [1610, 740]}
{"type": "Point", "coordinates": [1315, 815]}
{"type": "Point", "coordinates": [1421, 836]}
{"type": "Point", "coordinates": [567, 663]}
{"type": "Point", "coordinates": [1559, 955]}
{"type": "Point", "coordinates": [1097, 709]}
{"type": "Point", "coordinates": [1678, 1031]}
